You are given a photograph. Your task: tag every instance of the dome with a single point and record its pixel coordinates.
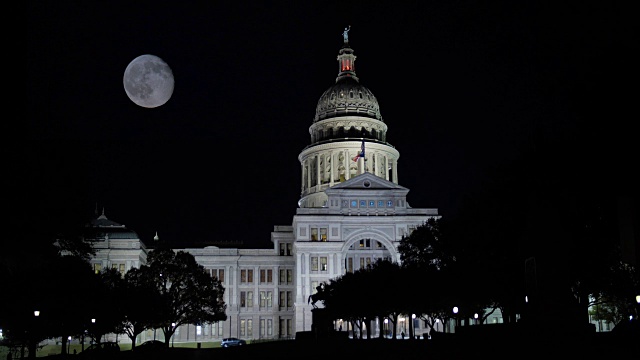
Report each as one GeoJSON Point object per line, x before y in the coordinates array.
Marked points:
{"type": "Point", "coordinates": [347, 98]}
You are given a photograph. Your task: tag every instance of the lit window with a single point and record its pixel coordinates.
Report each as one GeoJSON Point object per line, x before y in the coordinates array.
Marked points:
{"type": "Point", "coordinates": [354, 203]}
{"type": "Point", "coordinates": [323, 263]}
{"type": "Point", "coordinates": [380, 203]}
{"type": "Point", "coordinates": [363, 203]}
{"type": "Point", "coordinates": [372, 203]}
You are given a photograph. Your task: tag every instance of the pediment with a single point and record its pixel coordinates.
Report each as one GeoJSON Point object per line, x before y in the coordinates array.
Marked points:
{"type": "Point", "coordinates": [366, 181]}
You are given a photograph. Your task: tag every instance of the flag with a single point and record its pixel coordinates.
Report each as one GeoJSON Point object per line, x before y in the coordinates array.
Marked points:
{"type": "Point", "coordinates": [360, 153]}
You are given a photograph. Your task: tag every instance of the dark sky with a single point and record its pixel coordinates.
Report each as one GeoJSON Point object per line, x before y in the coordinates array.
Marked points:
{"type": "Point", "coordinates": [462, 85]}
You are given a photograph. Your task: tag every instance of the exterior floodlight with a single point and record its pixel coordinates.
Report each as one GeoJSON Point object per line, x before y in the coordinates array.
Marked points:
{"type": "Point", "coordinates": [173, 324]}
{"type": "Point", "coordinates": [69, 338]}
{"type": "Point", "coordinates": [413, 316]}
{"type": "Point", "coordinates": [36, 313]}
{"type": "Point", "coordinates": [93, 321]}
{"type": "Point", "coordinates": [526, 299]}
{"type": "Point", "coordinates": [638, 299]}
{"type": "Point", "coordinates": [455, 309]}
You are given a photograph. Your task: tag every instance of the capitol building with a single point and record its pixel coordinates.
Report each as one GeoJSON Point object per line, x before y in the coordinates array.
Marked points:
{"type": "Point", "coordinates": [352, 211]}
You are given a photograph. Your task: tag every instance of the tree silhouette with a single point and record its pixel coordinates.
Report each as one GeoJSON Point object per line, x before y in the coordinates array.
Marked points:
{"type": "Point", "coordinates": [184, 292]}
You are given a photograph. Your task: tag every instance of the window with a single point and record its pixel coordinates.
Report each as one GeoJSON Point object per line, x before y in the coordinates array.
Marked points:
{"type": "Point", "coordinates": [289, 249]}
{"type": "Point", "coordinates": [263, 328]}
{"type": "Point", "coordinates": [380, 203]}
{"type": "Point", "coordinates": [286, 276]}
{"type": "Point", "coordinates": [314, 263]}
{"type": "Point", "coordinates": [97, 268]}
{"type": "Point", "coordinates": [269, 327]}
{"type": "Point", "coordinates": [372, 203]}
{"type": "Point", "coordinates": [314, 287]}
{"type": "Point", "coordinates": [318, 234]}
{"type": "Point", "coordinates": [218, 274]}
{"type": "Point", "coordinates": [289, 299]}
{"type": "Point", "coordinates": [282, 328]}
{"type": "Point", "coordinates": [246, 299]}
{"type": "Point", "coordinates": [323, 263]}
{"type": "Point", "coordinates": [345, 203]}
{"type": "Point", "coordinates": [389, 203]}
{"type": "Point", "coordinates": [350, 265]}
{"type": "Point", "coordinates": [243, 327]}
{"type": "Point", "coordinates": [354, 203]}
{"type": "Point", "coordinates": [266, 299]}
{"type": "Point", "coordinates": [249, 327]}
{"type": "Point", "coordinates": [266, 276]}
{"type": "Point", "coordinates": [246, 276]}
{"type": "Point", "coordinates": [282, 300]}
{"type": "Point", "coordinates": [282, 249]}
{"type": "Point", "coordinates": [363, 203]}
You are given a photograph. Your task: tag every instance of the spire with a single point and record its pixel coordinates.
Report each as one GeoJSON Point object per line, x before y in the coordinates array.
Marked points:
{"type": "Point", "coordinates": [103, 216]}
{"type": "Point", "coordinates": [346, 59]}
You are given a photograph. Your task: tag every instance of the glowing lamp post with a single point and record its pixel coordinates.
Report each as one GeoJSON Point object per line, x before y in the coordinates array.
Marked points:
{"type": "Point", "coordinates": [173, 325]}
{"type": "Point", "coordinates": [475, 317]}
{"type": "Point", "coordinates": [455, 315]}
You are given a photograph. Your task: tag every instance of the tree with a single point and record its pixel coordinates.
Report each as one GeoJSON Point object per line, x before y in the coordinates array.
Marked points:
{"type": "Point", "coordinates": [184, 292]}
{"type": "Point", "coordinates": [137, 309]}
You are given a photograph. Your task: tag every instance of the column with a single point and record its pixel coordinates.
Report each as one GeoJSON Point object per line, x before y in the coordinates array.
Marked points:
{"type": "Point", "coordinates": [318, 170]}
{"type": "Point", "coordinates": [333, 167]}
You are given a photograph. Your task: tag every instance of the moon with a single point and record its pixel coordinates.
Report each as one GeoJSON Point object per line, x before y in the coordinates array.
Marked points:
{"type": "Point", "coordinates": [148, 81]}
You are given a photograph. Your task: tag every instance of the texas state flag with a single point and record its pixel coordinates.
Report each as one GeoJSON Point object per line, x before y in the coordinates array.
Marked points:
{"type": "Point", "coordinates": [360, 153]}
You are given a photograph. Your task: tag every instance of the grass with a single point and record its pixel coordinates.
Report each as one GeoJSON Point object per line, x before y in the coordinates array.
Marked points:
{"type": "Point", "coordinates": [48, 350]}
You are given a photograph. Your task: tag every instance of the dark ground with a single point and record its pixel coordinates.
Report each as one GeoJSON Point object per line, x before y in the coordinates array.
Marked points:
{"type": "Point", "coordinates": [590, 346]}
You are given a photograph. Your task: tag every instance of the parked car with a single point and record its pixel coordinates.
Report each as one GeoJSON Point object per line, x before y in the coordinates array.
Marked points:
{"type": "Point", "coordinates": [105, 349]}
{"type": "Point", "coordinates": [226, 342]}
{"type": "Point", "coordinates": [150, 345]}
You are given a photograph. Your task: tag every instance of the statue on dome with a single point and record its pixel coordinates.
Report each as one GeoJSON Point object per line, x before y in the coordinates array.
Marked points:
{"type": "Point", "coordinates": [345, 34]}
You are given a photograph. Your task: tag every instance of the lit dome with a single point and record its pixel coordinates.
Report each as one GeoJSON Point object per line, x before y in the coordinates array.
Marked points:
{"type": "Point", "coordinates": [347, 97]}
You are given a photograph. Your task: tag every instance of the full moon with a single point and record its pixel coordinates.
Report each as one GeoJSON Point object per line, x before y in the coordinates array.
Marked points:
{"type": "Point", "coordinates": [148, 81]}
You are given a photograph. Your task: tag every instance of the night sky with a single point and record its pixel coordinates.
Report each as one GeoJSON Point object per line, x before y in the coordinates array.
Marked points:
{"type": "Point", "coordinates": [464, 86]}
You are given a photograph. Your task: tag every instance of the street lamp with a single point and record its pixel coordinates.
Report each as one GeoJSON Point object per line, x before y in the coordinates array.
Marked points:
{"type": "Point", "coordinates": [412, 326]}
{"type": "Point", "coordinates": [68, 344]}
{"type": "Point", "coordinates": [36, 313]}
{"type": "Point", "coordinates": [386, 327]}
{"type": "Point", "coordinates": [455, 315]}
{"type": "Point", "coordinates": [173, 325]}
{"type": "Point", "coordinates": [475, 317]}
